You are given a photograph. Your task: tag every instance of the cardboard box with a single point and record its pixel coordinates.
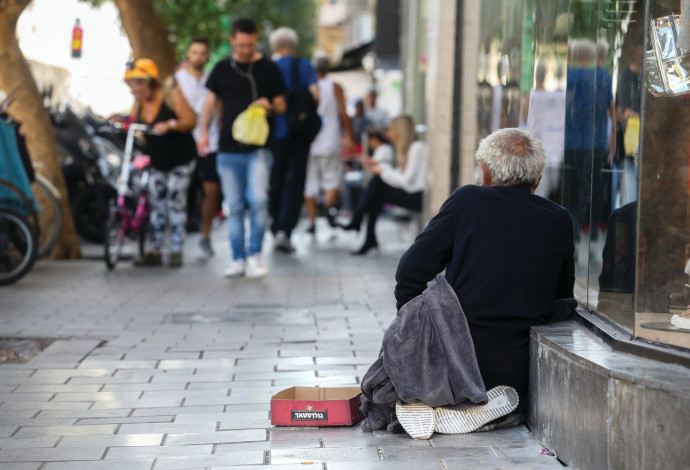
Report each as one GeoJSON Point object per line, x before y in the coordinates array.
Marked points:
{"type": "Point", "coordinates": [316, 406]}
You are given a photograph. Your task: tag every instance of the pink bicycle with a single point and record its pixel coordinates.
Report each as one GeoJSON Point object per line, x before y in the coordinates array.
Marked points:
{"type": "Point", "coordinates": [128, 223]}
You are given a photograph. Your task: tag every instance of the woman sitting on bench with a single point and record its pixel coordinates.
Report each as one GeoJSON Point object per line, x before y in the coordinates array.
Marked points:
{"type": "Point", "coordinates": [400, 186]}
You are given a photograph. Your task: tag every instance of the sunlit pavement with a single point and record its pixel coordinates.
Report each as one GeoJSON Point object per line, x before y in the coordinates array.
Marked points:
{"type": "Point", "coordinates": [174, 368]}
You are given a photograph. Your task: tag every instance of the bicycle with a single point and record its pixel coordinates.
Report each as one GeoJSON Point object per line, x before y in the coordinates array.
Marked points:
{"type": "Point", "coordinates": [126, 223]}
{"type": "Point", "coordinates": [18, 237]}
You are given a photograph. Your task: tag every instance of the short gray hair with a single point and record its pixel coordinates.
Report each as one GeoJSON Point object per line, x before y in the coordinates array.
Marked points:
{"type": "Point", "coordinates": [284, 37]}
{"type": "Point", "coordinates": [513, 156]}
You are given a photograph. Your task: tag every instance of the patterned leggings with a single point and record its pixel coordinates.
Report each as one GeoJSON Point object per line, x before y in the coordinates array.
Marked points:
{"type": "Point", "coordinates": [168, 200]}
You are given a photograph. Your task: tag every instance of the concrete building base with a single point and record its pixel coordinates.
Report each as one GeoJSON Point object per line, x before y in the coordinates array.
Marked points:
{"type": "Point", "coordinates": [596, 407]}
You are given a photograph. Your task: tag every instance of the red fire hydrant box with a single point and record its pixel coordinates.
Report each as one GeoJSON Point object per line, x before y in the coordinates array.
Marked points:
{"type": "Point", "coordinates": [316, 406]}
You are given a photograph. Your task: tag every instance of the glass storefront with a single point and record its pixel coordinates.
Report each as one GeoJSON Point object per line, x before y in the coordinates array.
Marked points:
{"type": "Point", "coordinates": [573, 72]}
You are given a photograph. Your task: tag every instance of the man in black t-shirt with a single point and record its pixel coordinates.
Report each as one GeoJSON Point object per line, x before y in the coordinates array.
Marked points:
{"type": "Point", "coordinates": [246, 77]}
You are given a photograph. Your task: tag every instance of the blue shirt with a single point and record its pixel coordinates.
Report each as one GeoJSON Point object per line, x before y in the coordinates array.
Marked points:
{"type": "Point", "coordinates": [588, 97]}
{"type": "Point", "coordinates": [306, 75]}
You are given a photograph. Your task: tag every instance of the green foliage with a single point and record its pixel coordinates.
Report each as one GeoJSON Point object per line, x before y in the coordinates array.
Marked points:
{"type": "Point", "coordinates": [186, 19]}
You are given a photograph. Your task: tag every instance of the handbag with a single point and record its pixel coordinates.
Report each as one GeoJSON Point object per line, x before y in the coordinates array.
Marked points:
{"type": "Point", "coordinates": [667, 66]}
{"type": "Point", "coordinates": [250, 127]}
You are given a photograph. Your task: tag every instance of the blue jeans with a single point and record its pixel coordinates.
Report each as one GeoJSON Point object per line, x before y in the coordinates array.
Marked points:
{"type": "Point", "coordinates": [244, 180]}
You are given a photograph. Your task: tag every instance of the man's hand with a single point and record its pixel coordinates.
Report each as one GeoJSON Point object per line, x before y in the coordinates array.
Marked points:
{"type": "Point", "coordinates": [202, 145]}
{"type": "Point", "coordinates": [265, 103]}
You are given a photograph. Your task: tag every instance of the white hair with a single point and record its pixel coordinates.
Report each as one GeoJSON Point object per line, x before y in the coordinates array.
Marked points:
{"type": "Point", "coordinates": [282, 38]}
{"type": "Point", "coordinates": [513, 156]}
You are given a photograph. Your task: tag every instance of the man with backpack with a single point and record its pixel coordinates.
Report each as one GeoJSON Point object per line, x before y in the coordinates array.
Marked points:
{"type": "Point", "coordinates": [294, 132]}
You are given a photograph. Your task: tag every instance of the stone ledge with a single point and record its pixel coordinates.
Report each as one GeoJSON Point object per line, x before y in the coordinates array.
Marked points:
{"type": "Point", "coordinates": [597, 407]}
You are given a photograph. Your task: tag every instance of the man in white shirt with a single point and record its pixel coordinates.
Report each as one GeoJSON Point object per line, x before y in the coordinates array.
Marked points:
{"type": "Point", "coordinates": [192, 80]}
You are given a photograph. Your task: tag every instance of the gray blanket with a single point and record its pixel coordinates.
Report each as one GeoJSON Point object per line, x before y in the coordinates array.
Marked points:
{"type": "Point", "coordinates": [427, 355]}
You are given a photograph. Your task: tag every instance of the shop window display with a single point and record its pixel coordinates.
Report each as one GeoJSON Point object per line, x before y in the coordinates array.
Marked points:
{"type": "Point", "coordinates": [573, 72]}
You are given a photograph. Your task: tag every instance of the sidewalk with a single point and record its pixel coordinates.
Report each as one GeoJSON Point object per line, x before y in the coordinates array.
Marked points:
{"type": "Point", "coordinates": [171, 369]}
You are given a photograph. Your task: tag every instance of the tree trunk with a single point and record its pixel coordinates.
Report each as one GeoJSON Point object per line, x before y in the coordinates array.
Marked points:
{"type": "Point", "coordinates": [147, 34]}
{"type": "Point", "coordinates": [27, 108]}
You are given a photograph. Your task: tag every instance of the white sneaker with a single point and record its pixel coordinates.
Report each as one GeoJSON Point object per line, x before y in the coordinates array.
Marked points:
{"type": "Point", "coordinates": [503, 400]}
{"type": "Point", "coordinates": [235, 269]}
{"type": "Point", "coordinates": [417, 419]}
{"type": "Point", "coordinates": [256, 267]}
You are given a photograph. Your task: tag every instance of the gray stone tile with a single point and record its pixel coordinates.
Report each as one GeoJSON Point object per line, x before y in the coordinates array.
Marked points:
{"type": "Point", "coordinates": [157, 452]}
{"type": "Point", "coordinates": [213, 461]}
{"type": "Point", "coordinates": [175, 410]}
{"type": "Point", "coordinates": [77, 414]}
{"type": "Point", "coordinates": [429, 464]}
{"type": "Point", "coordinates": [218, 437]}
{"type": "Point", "coordinates": [19, 442]}
{"type": "Point", "coordinates": [6, 430]}
{"type": "Point", "coordinates": [38, 454]}
{"type": "Point", "coordinates": [21, 466]}
{"type": "Point", "coordinates": [112, 440]}
{"type": "Point", "coordinates": [166, 428]}
{"type": "Point", "coordinates": [67, 430]}
{"type": "Point", "coordinates": [145, 464]}
{"type": "Point", "coordinates": [353, 454]}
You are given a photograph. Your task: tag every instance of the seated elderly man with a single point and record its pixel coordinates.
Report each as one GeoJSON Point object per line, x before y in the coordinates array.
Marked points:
{"type": "Point", "coordinates": [508, 256]}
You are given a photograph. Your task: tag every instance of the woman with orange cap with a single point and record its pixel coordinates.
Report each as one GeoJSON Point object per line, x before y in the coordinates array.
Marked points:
{"type": "Point", "coordinates": [172, 150]}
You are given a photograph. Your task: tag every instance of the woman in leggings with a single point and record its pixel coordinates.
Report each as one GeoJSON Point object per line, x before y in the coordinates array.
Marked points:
{"type": "Point", "coordinates": [172, 151]}
{"type": "Point", "coordinates": [401, 185]}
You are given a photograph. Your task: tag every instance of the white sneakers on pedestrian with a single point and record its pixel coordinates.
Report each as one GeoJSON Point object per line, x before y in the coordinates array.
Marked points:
{"type": "Point", "coordinates": [256, 267]}
{"type": "Point", "coordinates": [420, 420]}
{"type": "Point", "coordinates": [236, 268]}
{"type": "Point", "coordinates": [253, 268]}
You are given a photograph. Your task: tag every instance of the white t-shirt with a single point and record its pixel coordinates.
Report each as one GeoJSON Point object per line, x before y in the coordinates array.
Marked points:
{"type": "Point", "coordinates": [384, 154]}
{"type": "Point", "coordinates": [413, 178]}
{"type": "Point", "coordinates": [195, 92]}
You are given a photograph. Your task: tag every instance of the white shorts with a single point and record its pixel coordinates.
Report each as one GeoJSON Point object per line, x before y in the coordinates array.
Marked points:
{"type": "Point", "coordinates": [323, 172]}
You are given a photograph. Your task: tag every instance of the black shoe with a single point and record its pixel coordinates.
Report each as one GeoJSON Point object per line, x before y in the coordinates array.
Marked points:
{"type": "Point", "coordinates": [365, 248]}
{"type": "Point", "coordinates": [331, 214]}
{"type": "Point", "coordinates": [351, 226]}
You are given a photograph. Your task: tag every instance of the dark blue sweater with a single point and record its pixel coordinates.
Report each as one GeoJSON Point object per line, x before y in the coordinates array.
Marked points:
{"type": "Point", "coordinates": [508, 255]}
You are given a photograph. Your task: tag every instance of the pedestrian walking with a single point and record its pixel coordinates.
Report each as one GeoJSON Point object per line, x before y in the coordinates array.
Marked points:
{"type": "Point", "coordinates": [192, 80]}
{"type": "Point", "coordinates": [325, 167]}
{"type": "Point", "coordinates": [290, 154]}
{"type": "Point", "coordinates": [245, 78]}
{"type": "Point", "coordinates": [171, 148]}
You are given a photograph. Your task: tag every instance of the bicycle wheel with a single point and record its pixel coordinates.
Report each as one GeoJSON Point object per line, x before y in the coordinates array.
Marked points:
{"type": "Point", "coordinates": [50, 216]}
{"type": "Point", "coordinates": [17, 246]}
{"type": "Point", "coordinates": [22, 205]}
{"type": "Point", "coordinates": [115, 239]}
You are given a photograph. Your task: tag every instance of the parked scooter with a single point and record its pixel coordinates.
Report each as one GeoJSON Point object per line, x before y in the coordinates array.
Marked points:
{"type": "Point", "coordinates": [89, 174]}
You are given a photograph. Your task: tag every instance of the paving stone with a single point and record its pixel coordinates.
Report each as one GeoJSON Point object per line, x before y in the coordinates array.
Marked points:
{"type": "Point", "coordinates": [39, 454]}
{"type": "Point", "coordinates": [157, 452]}
{"type": "Point", "coordinates": [101, 464]}
{"type": "Point", "coordinates": [112, 440]}
{"type": "Point", "coordinates": [213, 461]}
{"type": "Point", "coordinates": [429, 464]}
{"type": "Point", "coordinates": [19, 442]}
{"type": "Point", "coordinates": [67, 430]}
{"type": "Point", "coordinates": [352, 454]}
{"type": "Point", "coordinates": [218, 437]}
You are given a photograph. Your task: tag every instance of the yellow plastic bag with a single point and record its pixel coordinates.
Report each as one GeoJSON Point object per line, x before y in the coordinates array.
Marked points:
{"type": "Point", "coordinates": [251, 126]}
{"type": "Point", "coordinates": [631, 139]}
